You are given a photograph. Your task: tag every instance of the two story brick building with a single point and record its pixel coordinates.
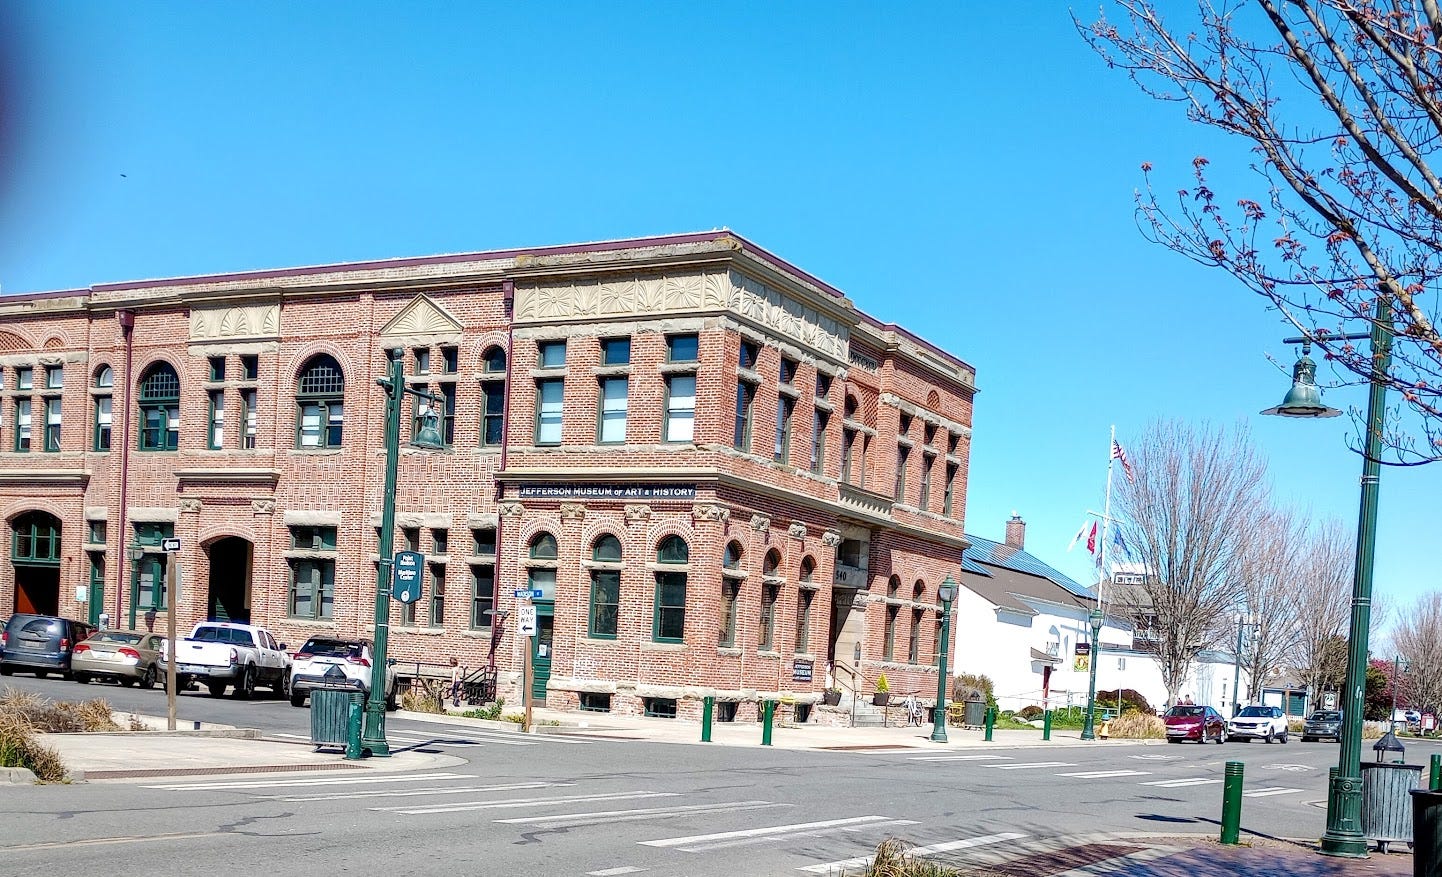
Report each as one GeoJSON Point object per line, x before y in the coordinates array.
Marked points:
{"type": "Point", "coordinates": [720, 476]}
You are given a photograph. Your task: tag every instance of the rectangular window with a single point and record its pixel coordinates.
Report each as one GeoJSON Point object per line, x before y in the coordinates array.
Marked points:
{"type": "Point", "coordinates": [483, 595]}
{"type": "Point", "coordinates": [102, 423]}
{"type": "Point", "coordinates": [550, 397]}
{"type": "Point", "coordinates": [311, 416]}
{"type": "Point", "coordinates": [411, 538]}
{"type": "Point", "coordinates": [440, 543]}
{"type": "Point", "coordinates": [951, 442]}
{"type": "Point", "coordinates": [450, 360]}
{"type": "Point", "coordinates": [804, 599]}
{"type": "Point", "coordinates": [928, 434]}
{"type": "Point", "coordinates": [902, 452]}
{"type": "Point", "coordinates": [927, 462]}
{"type": "Point", "coordinates": [749, 353]}
{"type": "Point", "coordinates": [52, 424]}
{"type": "Point", "coordinates": [788, 371]}
{"type": "Point", "coordinates": [669, 622]}
{"type": "Point", "coordinates": [95, 532]}
{"type": "Point", "coordinates": [22, 424]}
{"type": "Point", "coordinates": [483, 542]}
{"type": "Point", "coordinates": [54, 377]}
{"type": "Point", "coordinates": [423, 360]}
{"type": "Point", "coordinates": [745, 403]}
{"type": "Point", "coordinates": [407, 614]}
{"type": "Point", "coordinates": [823, 385]}
{"type": "Point", "coordinates": [493, 409]}
{"type": "Point", "coordinates": [730, 589]}
{"type": "Point", "coordinates": [605, 602]}
{"type": "Point", "coordinates": [247, 411]}
{"type": "Point", "coordinates": [848, 450]}
{"type": "Point", "coordinates": [889, 634]}
{"type": "Point", "coordinates": [150, 582]}
{"type": "Point", "coordinates": [682, 348]}
{"type": "Point", "coordinates": [680, 408]}
{"type": "Point", "coordinates": [217, 420]}
{"type": "Point", "coordinates": [766, 641]}
{"type": "Point", "coordinates": [217, 368]}
{"type": "Point", "coordinates": [611, 425]}
{"type": "Point", "coordinates": [551, 354]}
{"type": "Point", "coordinates": [904, 425]}
{"type": "Point", "coordinates": [448, 412]}
{"type": "Point", "coordinates": [913, 645]}
{"type": "Point", "coordinates": [24, 379]}
{"type": "Point", "coordinates": [615, 351]}
{"type": "Point", "coordinates": [784, 406]}
{"type": "Point", "coordinates": [819, 422]}
{"type": "Point", "coordinates": [949, 490]}
{"type": "Point", "coordinates": [312, 588]}
{"type": "Point", "coordinates": [250, 367]}
{"type": "Point", "coordinates": [438, 595]}
{"type": "Point", "coordinates": [312, 538]}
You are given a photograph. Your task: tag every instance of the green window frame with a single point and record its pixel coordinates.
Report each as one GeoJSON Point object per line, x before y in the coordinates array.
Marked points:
{"type": "Point", "coordinates": [605, 587]}
{"type": "Point", "coordinates": [889, 650]}
{"type": "Point", "coordinates": [104, 417]}
{"type": "Point", "coordinates": [483, 595]}
{"type": "Point", "coordinates": [312, 589]}
{"type": "Point", "coordinates": [730, 593]}
{"type": "Point", "coordinates": [217, 368]}
{"type": "Point", "coordinates": [247, 419]}
{"type": "Point", "coordinates": [683, 348]}
{"type": "Point", "coordinates": [493, 412]}
{"type": "Point", "coordinates": [483, 542]}
{"type": "Point", "coordinates": [902, 453]}
{"type": "Point", "coordinates": [949, 490]}
{"type": "Point", "coordinates": [320, 404]}
{"type": "Point", "coordinates": [615, 351]}
{"type": "Point", "coordinates": [819, 422]}
{"type": "Point", "coordinates": [24, 425]}
{"type": "Point", "coordinates": [95, 532]}
{"type": "Point", "coordinates": [804, 598]}
{"type": "Point", "coordinates": [437, 615]}
{"type": "Point", "coordinates": [35, 540]}
{"type": "Point", "coordinates": [612, 414]}
{"type": "Point", "coordinates": [550, 404]}
{"type": "Point", "coordinates": [250, 367]}
{"type": "Point", "coordinates": [766, 633]}
{"type": "Point", "coordinates": [53, 415]}
{"type": "Point", "coordinates": [913, 643]}
{"type": "Point", "coordinates": [745, 409]}
{"type": "Point", "coordinates": [313, 538]}
{"type": "Point", "coordinates": [159, 403]}
{"type": "Point", "coordinates": [927, 462]}
{"type": "Point", "coordinates": [680, 408]}
{"type": "Point", "coordinates": [668, 623]}
{"type": "Point", "coordinates": [785, 407]}
{"type": "Point", "coordinates": [215, 432]}
{"type": "Point", "coordinates": [550, 354]}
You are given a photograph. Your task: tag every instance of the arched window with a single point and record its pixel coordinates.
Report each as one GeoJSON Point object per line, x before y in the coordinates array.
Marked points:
{"type": "Point", "coordinates": [888, 652]}
{"type": "Point", "coordinates": [772, 562]}
{"type": "Point", "coordinates": [159, 401]}
{"type": "Point", "coordinates": [605, 586]}
{"type": "Point", "coordinates": [320, 404]}
{"type": "Point", "coordinates": [808, 568]}
{"type": "Point", "coordinates": [805, 596]}
{"type": "Point", "coordinates": [543, 547]}
{"type": "Point", "coordinates": [668, 622]}
{"type": "Point", "coordinates": [493, 396]}
{"type": "Point", "coordinates": [731, 576]}
{"type": "Point", "coordinates": [104, 381]}
{"type": "Point", "coordinates": [913, 643]}
{"type": "Point", "coordinates": [732, 558]}
{"type": "Point", "coordinates": [541, 572]}
{"type": "Point", "coordinates": [770, 593]}
{"type": "Point", "coordinates": [35, 541]}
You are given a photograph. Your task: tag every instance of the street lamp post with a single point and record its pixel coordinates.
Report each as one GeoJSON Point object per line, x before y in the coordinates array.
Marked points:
{"type": "Point", "coordinates": [1343, 836]}
{"type": "Point", "coordinates": [373, 736]}
{"type": "Point", "coordinates": [946, 592]}
{"type": "Point", "coordinates": [1089, 727]}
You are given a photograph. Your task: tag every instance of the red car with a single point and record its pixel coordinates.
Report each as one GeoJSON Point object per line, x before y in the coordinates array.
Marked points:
{"type": "Point", "coordinates": [1199, 723]}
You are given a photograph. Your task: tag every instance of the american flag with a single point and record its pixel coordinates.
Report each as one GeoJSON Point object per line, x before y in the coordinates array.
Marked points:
{"type": "Point", "coordinates": [1119, 454]}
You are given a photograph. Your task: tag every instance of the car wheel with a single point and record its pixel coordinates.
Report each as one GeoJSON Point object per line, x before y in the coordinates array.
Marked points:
{"type": "Point", "coordinates": [1174, 739]}
{"type": "Point", "coordinates": [1221, 737]}
{"type": "Point", "coordinates": [246, 689]}
{"type": "Point", "coordinates": [216, 689]}
{"type": "Point", "coordinates": [1283, 738]}
{"type": "Point", "coordinates": [82, 678]}
{"type": "Point", "coordinates": [392, 701]}
{"type": "Point", "coordinates": [1269, 738]}
{"type": "Point", "coordinates": [297, 699]}
{"type": "Point", "coordinates": [148, 680]}
{"type": "Point", "coordinates": [281, 688]}
{"type": "Point", "coordinates": [127, 681]}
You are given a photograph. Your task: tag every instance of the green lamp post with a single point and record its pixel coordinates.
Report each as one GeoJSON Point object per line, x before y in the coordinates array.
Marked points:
{"type": "Point", "coordinates": [1343, 836]}
{"type": "Point", "coordinates": [946, 593]}
{"type": "Point", "coordinates": [1089, 726]}
{"type": "Point", "coordinates": [373, 734]}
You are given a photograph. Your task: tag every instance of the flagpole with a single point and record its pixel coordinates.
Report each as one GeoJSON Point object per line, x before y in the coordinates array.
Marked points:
{"type": "Point", "coordinates": [1106, 519]}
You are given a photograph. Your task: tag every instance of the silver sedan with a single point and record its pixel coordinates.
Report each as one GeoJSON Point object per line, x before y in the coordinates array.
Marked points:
{"type": "Point", "coordinates": [126, 657]}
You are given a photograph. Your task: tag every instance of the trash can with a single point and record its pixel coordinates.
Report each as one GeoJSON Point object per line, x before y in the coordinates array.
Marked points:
{"type": "Point", "coordinates": [329, 712]}
{"type": "Point", "coordinates": [975, 709]}
{"type": "Point", "coordinates": [1426, 833]}
{"type": "Point", "coordinates": [1386, 811]}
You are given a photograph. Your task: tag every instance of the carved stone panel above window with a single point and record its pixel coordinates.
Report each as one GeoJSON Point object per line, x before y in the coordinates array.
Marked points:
{"type": "Point", "coordinates": [241, 322]}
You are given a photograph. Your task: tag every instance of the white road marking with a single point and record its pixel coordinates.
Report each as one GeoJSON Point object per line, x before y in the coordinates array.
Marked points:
{"type": "Point", "coordinates": [312, 781]}
{"type": "Point", "coordinates": [1177, 784]}
{"type": "Point", "coordinates": [960, 758]}
{"type": "Point", "coordinates": [863, 861]}
{"type": "Point", "coordinates": [615, 872]}
{"type": "Point", "coordinates": [467, 806]}
{"type": "Point", "coordinates": [1029, 765]}
{"type": "Point", "coordinates": [1155, 757]}
{"type": "Point", "coordinates": [1267, 793]}
{"type": "Point", "coordinates": [761, 832]}
{"type": "Point", "coordinates": [644, 813]}
{"type": "Point", "coordinates": [1105, 774]}
{"type": "Point", "coordinates": [409, 793]}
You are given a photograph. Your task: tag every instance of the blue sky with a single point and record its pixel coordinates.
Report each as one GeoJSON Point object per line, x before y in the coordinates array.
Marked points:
{"type": "Point", "coordinates": [964, 169]}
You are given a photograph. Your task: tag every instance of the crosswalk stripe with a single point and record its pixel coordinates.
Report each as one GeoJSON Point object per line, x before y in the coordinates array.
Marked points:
{"type": "Point", "coordinates": [311, 781]}
{"type": "Point", "coordinates": [615, 872]}
{"type": "Point", "coordinates": [948, 846]}
{"type": "Point", "coordinates": [959, 757]}
{"type": "Point", "coordinates": [1177, 784]}
{"type": "Point", "coordinates": [1105, 774]}
{"type": "Point", "coordinates": [761, 832]}
{"type": "Point", "coordinates": [1030, 765]}
{"type": "Point", "coordinates": [642, 813]}
{"type": "Point", "coordinates": [467, 806]}
{"type": "Point", "coordinates": [1266, 793]}
{"type": "Point", "coordinates": [410, 793]}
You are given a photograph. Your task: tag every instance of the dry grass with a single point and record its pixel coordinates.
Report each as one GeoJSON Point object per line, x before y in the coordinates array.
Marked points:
{"type": "Point", "coordinates": [56, 717]}
{"type": "Point", "coordinates": [1138, 726]}
{"type": "Point", "coordinates": [893, 859]}
{"type": "Point", "coordinates": [419, 703]}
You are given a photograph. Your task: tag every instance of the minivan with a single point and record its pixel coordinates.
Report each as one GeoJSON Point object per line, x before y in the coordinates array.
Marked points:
{"type": "Point", "coordinates": [40, 644]}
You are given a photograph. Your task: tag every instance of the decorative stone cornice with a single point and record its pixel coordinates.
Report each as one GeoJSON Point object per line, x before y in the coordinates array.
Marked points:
{"type": "Point", "coordinates": [230, 475]}
{"type": "Point", "coordinates": [710, 512]}
{"type": "Point", "coordinates": [830, 538]}
{"type": "Point", "coordinates": [635, 513]}
{"type": "Point", "coordinates": [573, 511]}
{"type": "Point", "coordinates": [797, 530]}
{"type": "Point", "coordinates": [511, 509]}
{"type": "Point", "coordinates": [46, 477]}
{"type": "Point", "coordinates": [760, 523]}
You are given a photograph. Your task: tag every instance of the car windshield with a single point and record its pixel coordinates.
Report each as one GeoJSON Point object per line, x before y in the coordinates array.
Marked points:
{"type": "Point", "coordinates": [1256, 712]}
{"type": "Point", "coordinates": [1190, 711]}
{"type": "Point", "coordinates": [332, 648]}
{"type": "Point", "coordinates": [1332, 716]}
{"type": "Point", "coordinates": [116, 636]}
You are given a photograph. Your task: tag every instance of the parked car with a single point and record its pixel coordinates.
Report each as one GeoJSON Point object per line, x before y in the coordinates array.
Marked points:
{"type": "Point", "coordinates": [219, 654]}
{"type": "Point", "coordinates": [1323, 723]}
{"type": "Point", "coordinates": [1266, 723]}
{"type": "Point", "coordinates": [1406, 716]}
{"type": "Point", "coordinates": [328, 661]}
{"type": "Point", "coordinates": [40, 644]}
{"type": "Point", "coordinates": [1199, 723]}
{"type": "Point", "coordinates": [120, 655]}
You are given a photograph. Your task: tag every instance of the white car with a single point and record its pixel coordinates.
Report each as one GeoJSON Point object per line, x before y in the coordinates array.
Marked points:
{"type": "Point", "coordinates": [1266, 723]}
{"type": "Point", "coordinates": [326, 661]}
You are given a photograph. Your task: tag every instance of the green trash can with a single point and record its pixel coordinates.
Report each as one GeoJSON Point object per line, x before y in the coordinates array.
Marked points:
{"type": "Point", "coordinates": [329, 712]}
{"type": "Point", "coordinates": [1426, 833]}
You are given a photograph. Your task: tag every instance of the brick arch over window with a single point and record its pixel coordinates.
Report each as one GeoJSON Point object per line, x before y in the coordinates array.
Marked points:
{"type": "Point", "coordinates": [55, 342]}
{"type": "Point", "coordinates": [158, 399]}
{"type": "Point", "coordinates": [492, 367]}
{"type": "Point", "coordinates": [772, 564]}
{"type": "Point", "coordinates": [808, 569]}
{"type": "Point", "coordinates": [302, 359]}
{"type": "Point", "coordinates": [549, 522]}
{"type": "Point", "coordinates": [662, 530]}
{"type": "Point", "coordinates": [734, 556]}
{"type": "Point", "coordinates": [32, 504]}
{"type": "Point", "coordinates": [598, 524]}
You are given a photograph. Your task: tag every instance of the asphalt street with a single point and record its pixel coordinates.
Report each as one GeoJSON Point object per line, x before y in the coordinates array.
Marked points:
{"type": "Point", "coordinates": [592, 806]}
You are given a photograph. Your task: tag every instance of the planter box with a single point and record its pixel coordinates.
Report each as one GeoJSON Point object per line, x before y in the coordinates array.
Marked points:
{"type": "Point", "coordinates": [881, 698]}
{"type": "Point", "coordinates": [831, 698]}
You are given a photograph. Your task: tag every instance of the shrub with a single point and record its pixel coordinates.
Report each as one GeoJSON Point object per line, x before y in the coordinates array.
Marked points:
{"type": "Point", "coordinates": [19, 748]}
{"type": "Point", "coordinates": [1138, 726]}
{"type": "Point", "coordinates": [1030, 713]}
{"type": "Point", "coordinates": [1133, 701]}
{"type": "Point", "coordinates": [965, 683]}
{"type": "Point", "coordinates": [1068, 717]}
{"type": "Point", "coordinates": [39, 714]}
{"type": "Point", "coordinates": [491, 711]}
{"type": "Point", "coordinates": [420, 703]}
{"type": "Point", "coordinates": [882, 686]}
{"type": "Point", "coordinates": [893, 859]}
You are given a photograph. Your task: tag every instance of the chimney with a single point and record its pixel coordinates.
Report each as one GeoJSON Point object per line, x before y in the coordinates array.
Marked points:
{"type": "Point", "coordinates": [1016, 532]}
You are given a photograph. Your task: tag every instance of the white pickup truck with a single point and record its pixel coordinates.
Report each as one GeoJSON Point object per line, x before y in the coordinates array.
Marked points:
{"type": "Point", "coordinates": [217, 654]}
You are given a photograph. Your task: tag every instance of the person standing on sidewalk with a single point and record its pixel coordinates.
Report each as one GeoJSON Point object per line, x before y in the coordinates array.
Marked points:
{"type": "Point", "coordinates": [456, 675]}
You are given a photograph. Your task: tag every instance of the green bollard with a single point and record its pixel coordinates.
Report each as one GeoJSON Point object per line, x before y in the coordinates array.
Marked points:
{"type": "Point", "coordinates": [353, 751]}
{"type": "Point", "coordinates": [1232, 803]}
{"type": "Point", "coordinates": [708, 704]}
{"type": "Point", "coordinates": [768, 714]}
{"type": "Point", "coordinates": [990, 721]}
{"type": "Point", "coordinates": [1434, 776]}
{"type": "Point", "coordinates": [1046, 725]}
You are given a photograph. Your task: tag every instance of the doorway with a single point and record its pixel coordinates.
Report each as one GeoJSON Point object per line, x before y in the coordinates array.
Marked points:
{"type": "Point", "coordinates": [541, 652]}
{"type": "Point", "coordinates": [35, 555]}
{"type": "Point", "coordinates": [229, 590]}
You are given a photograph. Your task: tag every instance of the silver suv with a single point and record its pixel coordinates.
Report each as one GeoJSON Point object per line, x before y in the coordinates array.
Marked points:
{"type": "Point", "coordinates": [1258, 723]}
{"type": "Point", "coordinates": [326, 662]}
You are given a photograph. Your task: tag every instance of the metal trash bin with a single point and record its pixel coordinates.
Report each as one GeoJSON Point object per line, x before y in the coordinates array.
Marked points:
{"type": "Point", "coordinates": [975, 709]}
{"type": "Point", "coordinates": [1426, 833]}
{"type": "Point", "coordinates": [329, 713]}
{"type": "Point", "coordinates": [1386, 810]}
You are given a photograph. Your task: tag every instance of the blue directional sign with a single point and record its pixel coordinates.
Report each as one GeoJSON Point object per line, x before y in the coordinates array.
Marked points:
{"type": "Point", "coordinates": [406, 576]}
{"type": "Point", "coordinates": [522, 593]}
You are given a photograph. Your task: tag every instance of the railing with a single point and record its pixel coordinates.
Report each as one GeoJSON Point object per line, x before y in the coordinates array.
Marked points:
{"type": "Point", "coordinates": [432, 683]}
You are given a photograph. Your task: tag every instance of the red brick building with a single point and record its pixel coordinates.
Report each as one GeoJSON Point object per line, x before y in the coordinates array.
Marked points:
{"type": "Point", "coordinates": [720, 475]}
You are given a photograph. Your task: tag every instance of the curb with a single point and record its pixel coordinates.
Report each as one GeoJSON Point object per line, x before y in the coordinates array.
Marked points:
{"type": "Point", "coordinates": [222, 733]}
{"type": "Point", "coordinates": [18, 776]}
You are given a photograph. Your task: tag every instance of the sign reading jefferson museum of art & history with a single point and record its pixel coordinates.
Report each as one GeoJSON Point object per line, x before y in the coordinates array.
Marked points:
{"type": "Point", "coordinates": [608, 491]}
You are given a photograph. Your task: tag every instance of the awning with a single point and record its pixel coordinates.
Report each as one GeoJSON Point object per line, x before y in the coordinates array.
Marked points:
{"type": "Point", "coordinates": [1037, 655]}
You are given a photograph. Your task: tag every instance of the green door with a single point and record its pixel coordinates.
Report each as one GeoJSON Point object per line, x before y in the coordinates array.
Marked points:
{"type": "Point", "coordinates": [541, 653]}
